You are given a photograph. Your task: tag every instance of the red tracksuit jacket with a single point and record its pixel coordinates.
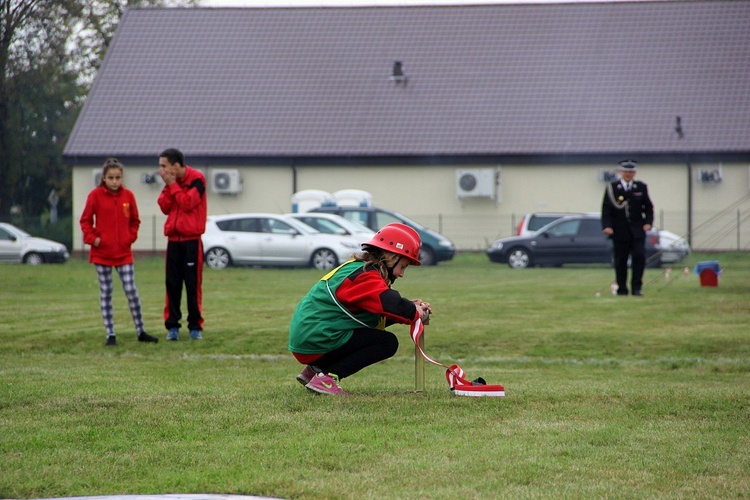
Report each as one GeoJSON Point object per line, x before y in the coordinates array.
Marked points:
{"type": "Point", "coordinates": [184, 204]}
{"type": "Point", "coordinates": [113, 217]}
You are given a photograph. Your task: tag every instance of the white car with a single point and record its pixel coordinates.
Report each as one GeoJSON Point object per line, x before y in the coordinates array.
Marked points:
{"type": "Point", "coordinates": [672, 247]}
{"type": "Point", "coordinates": [263, 239]}
{"type": "Point", "coordinates": [16, 246]}
{"type": "Point", "coordinates": [335, 224]}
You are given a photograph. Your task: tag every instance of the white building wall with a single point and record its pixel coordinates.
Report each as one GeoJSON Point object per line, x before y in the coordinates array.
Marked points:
{"type": "Point", "coordinates": [427, 194]}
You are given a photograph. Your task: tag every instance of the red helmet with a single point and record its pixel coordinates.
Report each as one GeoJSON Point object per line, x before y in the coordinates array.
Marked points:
{"type": "Point", "coordinates": [399, 239]}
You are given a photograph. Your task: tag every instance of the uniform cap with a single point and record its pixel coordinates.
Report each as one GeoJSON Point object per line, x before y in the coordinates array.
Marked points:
{"type": "Point", "coordinates": [627, 166]}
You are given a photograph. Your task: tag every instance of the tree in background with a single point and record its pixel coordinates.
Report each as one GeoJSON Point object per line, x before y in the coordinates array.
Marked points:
{"type": "Point", "coordinates": [50, 51]}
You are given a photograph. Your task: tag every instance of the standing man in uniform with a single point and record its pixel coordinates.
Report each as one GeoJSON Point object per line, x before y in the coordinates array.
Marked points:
{"type": "Point", "coordinates": [627, 215]}
{"type": "Point", "coordinates": [183, 201]}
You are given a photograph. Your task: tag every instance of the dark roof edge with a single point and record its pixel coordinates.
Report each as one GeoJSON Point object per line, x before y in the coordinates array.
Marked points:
{"type": "Point", "coordinates": [425, 160]}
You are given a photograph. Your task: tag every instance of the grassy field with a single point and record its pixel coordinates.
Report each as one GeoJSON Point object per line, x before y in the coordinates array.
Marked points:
{"type": "Point", "coordinates": [605, 396]}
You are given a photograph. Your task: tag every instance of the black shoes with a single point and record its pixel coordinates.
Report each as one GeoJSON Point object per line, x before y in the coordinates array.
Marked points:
{"type": "Point", "coordinates": [142, 337]}
{"type": "Point", "coordinates": [637, 293]}
{"type": "Point", "coordinates": [145, 337]}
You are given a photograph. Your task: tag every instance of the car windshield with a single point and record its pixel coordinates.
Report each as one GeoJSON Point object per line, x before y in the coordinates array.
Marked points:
{"type": "Point", "coordinates": [323, 225]}
{"type": "Point", "coordinates": [383, 218]}
{"type": "Point", "coordinates": [17, 230]}
{"type": "Point", "coordinates": [359, 227]}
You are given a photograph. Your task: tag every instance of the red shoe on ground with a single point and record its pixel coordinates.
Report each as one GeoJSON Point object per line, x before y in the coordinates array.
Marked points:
{"type": "Point", "coordinates": [325, 384]}
{"type": "Point", "coordinates": [306, 375]}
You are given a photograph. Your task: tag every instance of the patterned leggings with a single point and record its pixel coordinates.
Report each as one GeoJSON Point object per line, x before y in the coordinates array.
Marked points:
{"type": "Point", "coordinates": [127, 277]}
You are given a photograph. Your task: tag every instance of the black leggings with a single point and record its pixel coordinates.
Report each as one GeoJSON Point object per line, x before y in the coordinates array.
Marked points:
{"type": "Point", "coordinates": [366, 347]}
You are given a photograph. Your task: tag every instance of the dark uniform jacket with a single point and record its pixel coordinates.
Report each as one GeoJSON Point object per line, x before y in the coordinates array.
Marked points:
{"type": "Point", "coordinates": [626, 212]}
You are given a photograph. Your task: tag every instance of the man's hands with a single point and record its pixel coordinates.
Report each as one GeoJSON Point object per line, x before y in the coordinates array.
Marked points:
{"type": "Point", "coordinates": [167, 176]}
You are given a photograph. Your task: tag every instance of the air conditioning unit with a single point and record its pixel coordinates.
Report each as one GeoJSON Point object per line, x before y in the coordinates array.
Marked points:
{"type": "Point", "coordinates": [710, 175]}
{"type": "Point", "coordinates": [226, 181]}
{"type": "Point", "coordinates": [607, 176]}
{"type": "Point", "coordinates": [152, 179]}
{"type": "Point", "coordinates": [476, 182]}
{"type": "Point", "coordinates": [96, 177]}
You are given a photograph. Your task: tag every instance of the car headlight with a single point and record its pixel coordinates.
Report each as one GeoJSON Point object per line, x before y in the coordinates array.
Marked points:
{"type": "Point", "coordinates": [350, 245]}
{"type": "Point", "coordinates": [497, 245]}
{"type": "Point", "coordinates": [445, 243]}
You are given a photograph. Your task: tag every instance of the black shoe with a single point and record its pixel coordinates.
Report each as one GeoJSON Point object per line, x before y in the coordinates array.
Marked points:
{"type": "Point", "coordinates": [111, 341]}
{"type": "Point", "coordinates": [145, 337]}
{"type": "Point", "coordinates": [638, 293]}
{"type": "Point", "coordinates": [622, 293]}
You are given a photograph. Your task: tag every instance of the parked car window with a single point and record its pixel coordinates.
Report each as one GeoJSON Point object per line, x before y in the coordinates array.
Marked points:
{"type": "Point", "coordinates": [322, 225]}
{"type": "Point", "coordinates": [5, 235]}
{"type": "Point", "coordinates": [384, 218]}
{"type": "Point", "coordinates": [277, 227]}
{"type": "Point", "coordinates": [241, 225]}
{"type": "Point", "coordinates": [566, 228]}
{"type": "Point", "coordinates": [536, 222]}
{"type": "Point", "coordinates": [356, 216]}
{"type": "Point", "coordinates": [590, 228]}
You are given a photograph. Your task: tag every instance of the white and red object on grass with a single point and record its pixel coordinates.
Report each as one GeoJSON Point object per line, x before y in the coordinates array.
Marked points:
{"type": "Point", "coordinates": [454, 374]}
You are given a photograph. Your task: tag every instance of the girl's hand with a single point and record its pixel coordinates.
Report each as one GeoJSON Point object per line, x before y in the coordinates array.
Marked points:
{"type": "Point", "coordinates": [97, 241]}
{"type": "Point", "coordinates": [425, 310]}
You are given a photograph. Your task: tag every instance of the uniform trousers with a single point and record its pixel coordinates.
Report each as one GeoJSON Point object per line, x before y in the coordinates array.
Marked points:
{"type": "Point", "coordinates": [635, 248]}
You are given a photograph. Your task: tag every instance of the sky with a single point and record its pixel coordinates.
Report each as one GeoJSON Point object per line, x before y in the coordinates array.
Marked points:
{"type": "Point", "coordinates": [342, 3]}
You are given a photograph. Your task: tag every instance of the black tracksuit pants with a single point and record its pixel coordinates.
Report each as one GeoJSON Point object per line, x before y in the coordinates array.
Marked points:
{"type": "Point", "coordinates": [184, 264]}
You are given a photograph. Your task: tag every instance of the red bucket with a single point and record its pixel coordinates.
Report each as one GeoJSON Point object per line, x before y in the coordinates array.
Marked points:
{"type": "Point", "coordinates": [709, 277]}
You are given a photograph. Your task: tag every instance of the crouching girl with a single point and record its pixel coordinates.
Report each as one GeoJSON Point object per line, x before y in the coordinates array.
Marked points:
{"type": "Point", "coordinates": [339, 326]}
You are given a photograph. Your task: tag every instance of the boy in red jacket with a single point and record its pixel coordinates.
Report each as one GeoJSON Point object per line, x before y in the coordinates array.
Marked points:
{"type": "Point", "coordinates": [183, 201]}
{"type": "Point", "coordinates": [110, 225]}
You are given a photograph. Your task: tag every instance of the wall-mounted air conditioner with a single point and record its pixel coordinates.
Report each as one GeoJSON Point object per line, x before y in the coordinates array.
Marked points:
{"type": "Point", "coordinates": [152, 179]}
{"type": "Point", "coordinates": [710, 175]}
{"type": "Point", "coordinates": [476, 182]}
{"type": "Point", "coordinates": [96, 177]}
{"type": "Point", "coordinates": [226, 181]}
{"type": "Point", "coordinates": [607, 176]}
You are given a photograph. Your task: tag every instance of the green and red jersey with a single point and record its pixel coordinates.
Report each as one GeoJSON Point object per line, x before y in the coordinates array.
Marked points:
{"type": "Point", "coordinates": [352, 296]}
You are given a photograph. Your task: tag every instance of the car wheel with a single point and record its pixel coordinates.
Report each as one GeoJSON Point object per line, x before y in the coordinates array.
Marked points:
{"type": "Point", "coordinates": [519, 258]}
{"type": "Point", "coordinates": [33, 259]}
{"type": "Point", "coordinates": [427, 257]}
{"type": "Point", "coordinates": [324, 259]}
{"type": "Point", "coordinates": [218, 258]}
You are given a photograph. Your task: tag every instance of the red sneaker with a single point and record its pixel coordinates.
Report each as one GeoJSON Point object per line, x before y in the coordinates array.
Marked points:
{"type": "Point", "coordinates": [325, 384]}
{"type": "Point", "coordinates": [306, 375]}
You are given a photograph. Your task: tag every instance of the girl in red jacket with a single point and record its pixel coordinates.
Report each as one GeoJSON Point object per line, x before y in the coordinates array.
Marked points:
{"type": "Point", "coordinates": [110, 225]}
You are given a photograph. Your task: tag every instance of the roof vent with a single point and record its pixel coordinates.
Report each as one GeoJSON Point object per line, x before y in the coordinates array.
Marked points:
{"type": "Point", "coordinates": [397, 74]}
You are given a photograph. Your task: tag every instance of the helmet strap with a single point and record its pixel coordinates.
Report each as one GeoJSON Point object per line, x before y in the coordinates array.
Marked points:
{"type": "Point", "coordinates": [391, 276]}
